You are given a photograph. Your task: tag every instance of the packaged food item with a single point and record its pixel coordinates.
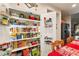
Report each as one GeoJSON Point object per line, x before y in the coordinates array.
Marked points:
{"type": "Point", "coordinates": [18, 22]}
{"type": "Point", "coordinates": [37, 17]}
{"type": "Point", "coordinates": [31, 35]}
{"type": "Point", "coordinates": [24, 35]}
{"type": "Point", "coordinates": [38, 24]}
{"type": "Point", "coordinates": [20, 30]}
{"type": "Point", "coordinates": [5, 20]}
{"type": "Point", "coordinates": [19, 36]}
{"type": "Point", "coordinates": [12, 45]}
{"type": "Point", "coordinates": [28, 35]}
{"type": "Point", "coordinates": [19, 44]}
{"type": "Point", "coordinates": [33, 29]}
{"type": "Point", "coordinates": [26, 52]}
{"type": "Point", "coordinates": [27, 16]}
{"type": "Point", "coordinates": [4, 46]}
{"type": "Point", "coordinates": [33, 42]}
{"type": "Point", "coordinates": [22, 15]}
{"type": "Point", "coordinates": [35, 51]}
{"type": "Point", "coordinates": [12, 38]}
{"type": "Point", "coordinates": [19, 53]}
{"type": "Point", "coordinates": [0, 47]}
{"type": "Point", "coordinates": [24, 43]}
{"type": "Point", "coordinates": [12, 21]}
{"type": "Point", "coordinates": [31, 23]}
{"type": "Point", "coordinates": [15, 45]}
{"type": "Point", "coordinates": [31, 17]}
{"type": "Point", "coordinates": [27, 22]}
{"type": "Point", "coordinates": [14, 30]}
{"type": "Point", "coordinates": [26, 29]}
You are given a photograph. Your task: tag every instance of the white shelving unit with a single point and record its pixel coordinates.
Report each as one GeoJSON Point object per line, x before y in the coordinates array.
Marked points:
{"type": "Point", "coordinates": [23, 19]}
{"type": "Point", "coordinates": [27, 31]}
{"type": "Point", "coordinates": [22, 26]}
{"type": "Point", "coordinates": [24, 39]}
{"type": "Point", "coordinates": [17, 49]}
{"type": "Point", "coordinates": [23, 32]}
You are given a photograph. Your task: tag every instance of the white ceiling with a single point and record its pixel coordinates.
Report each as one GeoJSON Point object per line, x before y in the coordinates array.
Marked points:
{"type": "Point", "coordinates": [65, 7]}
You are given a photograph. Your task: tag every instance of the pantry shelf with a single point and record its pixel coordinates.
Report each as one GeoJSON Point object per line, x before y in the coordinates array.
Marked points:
{"type": "Point", "coordinates": [23, 19]}
{"type": "Point", "coordinates": [24, 39]}
{"type": "Point", "coordinates": [25, 32]}
{"type": "Point", "coordinates": [17, 49]}
{"type": "Point", "coordinates": [18, 40]}
{"type": "Point", "coordinates": [22, 26]}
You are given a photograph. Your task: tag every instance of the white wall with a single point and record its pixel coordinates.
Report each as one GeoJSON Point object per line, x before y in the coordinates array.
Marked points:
{"type": "Point", "coordinates": [67, 19]}
{"type": "Point", "coordinates": [4, 34]}
{"type": "Point", "coordinates": [58, 23]}
{"type": "Point", "coordinates": [50, 32]}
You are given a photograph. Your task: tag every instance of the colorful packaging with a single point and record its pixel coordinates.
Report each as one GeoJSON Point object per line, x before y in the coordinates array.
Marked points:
{"type": "Point", "coordinates": [26, 52]}
{"type": "Point", "coordinates": [35, 51]}
{"type": "Point", "coordinates": [31, 17]}
{"type": "Point", "coordinates": [19, 43]}
{"type": "Point", "coordinates": [37, 17]}
{"type": "Point", "coordinates": [5, 21]}
{"type": "Point", "coordinates": [24, 43]}
{"type": "Point", "coordinates": [19, 53]}
{"type": "Point", "coordinates": [15, 45]}
{"type": "Point", "coordinates": [28, 35]}
{"type": "Point", "coordinates": [24, 35]}
{"type": "Point", "coordinates": [19, 36]}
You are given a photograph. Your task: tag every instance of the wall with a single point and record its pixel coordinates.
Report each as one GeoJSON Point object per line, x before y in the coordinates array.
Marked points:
{"type": "Point", "coordinates": [67, 19]}
{"type": "Point", "coordinates": [49, 32]}
{"type": "Point", "coordinates": [58, 25]}
{"type": "Point", "coordinates": [4, 34]}
{"type": "Point", "coordinates": [74, 21]}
